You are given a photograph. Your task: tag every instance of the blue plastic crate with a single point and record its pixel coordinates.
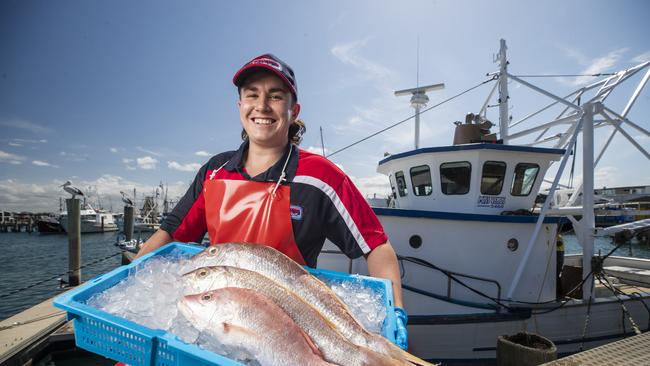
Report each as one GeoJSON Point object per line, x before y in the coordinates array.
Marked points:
{"type": "Point", "coordinates": [125, 341]}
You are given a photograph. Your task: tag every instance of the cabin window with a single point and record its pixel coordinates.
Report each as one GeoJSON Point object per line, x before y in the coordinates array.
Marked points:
{"type": "Point", "coordinates": [494, 173]}
{"type": "Point", "coordinates": [455, 177]}
{"type": "Point", "coordinates": [401, 183]}
{"type": "Point", "coordinates": [421, 180]}
{"type": "Point", "coordinates": [392, 186]}
{"type": "Point", "coordinates": [524, 179]}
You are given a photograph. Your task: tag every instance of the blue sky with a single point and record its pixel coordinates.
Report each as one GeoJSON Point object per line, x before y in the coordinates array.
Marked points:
{"type": "Point", "coordinates": [120, 94]}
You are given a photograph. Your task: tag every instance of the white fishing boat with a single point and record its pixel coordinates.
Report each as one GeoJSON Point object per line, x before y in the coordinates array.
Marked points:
{"type": "Point", "coordinates": [477, 262]}
{"type": "Point", "coordinates": [92, 220]}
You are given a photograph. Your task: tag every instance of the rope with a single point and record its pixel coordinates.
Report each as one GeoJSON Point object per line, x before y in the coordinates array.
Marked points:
{"type": "Point", "coordinates": [57, 276]}
{"type": "Point", "coordinates": [562, 75]}
{"type": "Point", "coordinates": [17, 324]}
{"type": "Point", "coordinates": [411, 117]}
{"type": "Point", "coordinates": [605, 281]}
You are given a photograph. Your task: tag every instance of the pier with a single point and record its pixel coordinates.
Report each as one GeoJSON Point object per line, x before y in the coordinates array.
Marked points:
{"type": "Point", "coordinates": [15, 222]}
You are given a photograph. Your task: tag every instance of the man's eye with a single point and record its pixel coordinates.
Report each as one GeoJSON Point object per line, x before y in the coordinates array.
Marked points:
{"type": "Point", "coordinates": [276, 97]}
{"type": "Point", "coordinates": [251, 95]}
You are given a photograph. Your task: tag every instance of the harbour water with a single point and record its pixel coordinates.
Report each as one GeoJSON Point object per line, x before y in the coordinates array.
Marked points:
{"type": "Point", "coordinates": [30, 258]}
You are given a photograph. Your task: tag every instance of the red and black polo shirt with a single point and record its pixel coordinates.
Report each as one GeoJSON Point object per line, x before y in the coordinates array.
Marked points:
{"type": "Point", "coordinates": [325, 204]}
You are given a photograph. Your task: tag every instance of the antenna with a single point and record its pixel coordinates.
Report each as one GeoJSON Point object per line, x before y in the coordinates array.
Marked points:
{"type": "Point", "coordinates": [419, 100]}
{"type": "Point", "coordinates": [417, 65]}
{"type": "Point", "coordinates": [322, 144]}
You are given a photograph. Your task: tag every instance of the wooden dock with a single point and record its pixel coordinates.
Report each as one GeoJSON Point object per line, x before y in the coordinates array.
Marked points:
{"type": "Point", "coordinates": [26, 334]}
{"type": "Point", "coordinates": [631, 351]}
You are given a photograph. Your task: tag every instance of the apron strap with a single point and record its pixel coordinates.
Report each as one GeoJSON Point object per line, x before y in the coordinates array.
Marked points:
{"type": "Point", "coordinates": [280, 180]}
{"type": "Point", "coordinates": [284, 168]}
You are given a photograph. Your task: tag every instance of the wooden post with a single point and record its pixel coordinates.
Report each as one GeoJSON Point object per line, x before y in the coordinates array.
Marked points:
{"type": "Point", "coordinates": [128, 222]}
{"type": "Point", "coordinates": [74, 241]}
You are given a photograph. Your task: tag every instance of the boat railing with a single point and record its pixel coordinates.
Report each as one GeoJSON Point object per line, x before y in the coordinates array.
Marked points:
{"type": "Point", "coordinates": [451, 277]}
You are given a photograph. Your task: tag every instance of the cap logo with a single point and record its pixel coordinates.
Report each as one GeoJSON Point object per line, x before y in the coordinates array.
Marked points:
{"type": "Point", "coordinates": [267, 61]}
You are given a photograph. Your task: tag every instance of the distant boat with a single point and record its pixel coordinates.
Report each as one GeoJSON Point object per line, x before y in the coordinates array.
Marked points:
{"type": "Point", "coordinates": [49, 225]}
{"type": "Point", "coordinates": [92, 221]}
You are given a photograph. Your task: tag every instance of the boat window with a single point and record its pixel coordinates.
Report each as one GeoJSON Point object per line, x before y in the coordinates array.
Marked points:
{"type": "Point", "coordinates": [494, 173]}
{"type": "Point", "coordinates": [401, 183]}
{"type": "Point", "coordinates": [524, 179]}
{"type": "Point", "coordinates": [421, 180]}
{"type": "Point", "coordinates": [455, 177]}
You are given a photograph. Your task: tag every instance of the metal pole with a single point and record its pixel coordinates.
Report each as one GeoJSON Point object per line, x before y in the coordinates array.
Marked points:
{"type": "Point", "coordinates": [588, 224]}
{"type": "Point", "coordinates": [417, 126]}
{"type": "Point", "coordinates": [128, 222]}
{"type": "Point", "coordinates": [74, 241]}
{"type": "Point", "coordinates": [503, 93]}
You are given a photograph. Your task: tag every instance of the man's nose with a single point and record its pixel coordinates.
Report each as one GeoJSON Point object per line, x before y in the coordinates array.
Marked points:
{"type": "Point", "coordinates": [262, 104]}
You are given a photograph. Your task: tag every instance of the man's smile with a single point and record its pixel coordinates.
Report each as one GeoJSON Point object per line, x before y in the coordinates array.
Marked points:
{"type": "Point", "coordinates": [263, 121]}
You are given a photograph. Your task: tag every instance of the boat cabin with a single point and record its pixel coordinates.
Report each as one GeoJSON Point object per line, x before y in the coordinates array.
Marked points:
{"type": "Point", "coordinates": [480, 178]}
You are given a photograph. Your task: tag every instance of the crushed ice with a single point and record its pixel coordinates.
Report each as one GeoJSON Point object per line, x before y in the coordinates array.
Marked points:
{"type": "Point", "coordinates": [149, 296]}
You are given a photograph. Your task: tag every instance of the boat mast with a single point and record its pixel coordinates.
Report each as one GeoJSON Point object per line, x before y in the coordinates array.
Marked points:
{"type": "Point", "coordinates": [504, 119]}
{"type": "Point", "coordinates": [587, 223]}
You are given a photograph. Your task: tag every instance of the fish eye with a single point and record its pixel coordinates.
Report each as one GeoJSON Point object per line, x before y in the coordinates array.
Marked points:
{"type": "Point", "coordinates": [212, 251]}
{"type": "Point", "coordinates": [203, 273]}
{"type": "Point", "coordinates": [206, 297]}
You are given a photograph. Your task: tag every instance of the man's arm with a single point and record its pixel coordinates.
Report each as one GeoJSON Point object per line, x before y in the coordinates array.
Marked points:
{"type": "Point", "coordinates": [157, 240]}
{"type": "Point", "coordinates": [382, 262]}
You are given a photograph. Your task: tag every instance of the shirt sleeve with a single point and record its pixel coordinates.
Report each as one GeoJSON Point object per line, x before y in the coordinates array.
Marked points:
{"type": "Point", "coordinates": [186, 223]}
{"type": "Point", "coordinates": [352, 224]}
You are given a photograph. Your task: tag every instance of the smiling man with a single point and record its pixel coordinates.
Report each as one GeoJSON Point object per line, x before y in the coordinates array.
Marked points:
{"type": "Point", "coordinates": [270, 192]}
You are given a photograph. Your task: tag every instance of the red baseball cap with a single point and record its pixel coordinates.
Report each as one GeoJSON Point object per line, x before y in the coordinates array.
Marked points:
{"type": "Point", "coordinates": [268, 62]}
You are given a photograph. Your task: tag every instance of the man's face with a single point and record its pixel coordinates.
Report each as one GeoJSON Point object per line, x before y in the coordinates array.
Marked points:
{"type": "Point", "coordinates": [266, 110]}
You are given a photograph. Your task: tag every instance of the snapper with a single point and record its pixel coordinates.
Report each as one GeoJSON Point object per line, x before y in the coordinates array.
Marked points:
{"type": "Point", "coordinates": [243, 318]}
{"type": "Point", "coordinates": [283, 270]}
{"type": "Point", "coordinates": [334, 347]}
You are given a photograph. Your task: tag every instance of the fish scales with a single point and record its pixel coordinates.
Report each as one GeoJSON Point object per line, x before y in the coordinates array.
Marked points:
{"type": "Point", "coordinates": [277, 266]}
{"type": "Point", "coordinates": [334, 346]}
{"type": "Point", "coordinates": [243, 318]}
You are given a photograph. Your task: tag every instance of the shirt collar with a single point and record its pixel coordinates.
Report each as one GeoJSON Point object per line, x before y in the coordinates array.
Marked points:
{"type": "Point", "coordinates": [236, 163]}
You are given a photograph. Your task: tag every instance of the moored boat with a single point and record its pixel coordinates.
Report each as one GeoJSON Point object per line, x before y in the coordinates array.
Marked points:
{"type": "Point", "coordinates": [478, 261]}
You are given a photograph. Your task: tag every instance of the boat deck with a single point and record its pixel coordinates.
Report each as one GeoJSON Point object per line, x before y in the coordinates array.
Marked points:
{"type": "Point", "coordinates": [628, 351]}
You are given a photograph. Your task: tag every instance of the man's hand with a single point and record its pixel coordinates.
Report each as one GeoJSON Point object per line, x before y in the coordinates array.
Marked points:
{"type": "Point", "coordinates": [401, 333]}
{"type": "Point", "coordinates": [157, 240]}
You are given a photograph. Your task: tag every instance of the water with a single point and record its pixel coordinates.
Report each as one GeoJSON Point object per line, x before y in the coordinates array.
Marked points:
{"type": "Point", "coordinates": [30, 258]}
{"type": "Point", "coordinates": [605, 244]}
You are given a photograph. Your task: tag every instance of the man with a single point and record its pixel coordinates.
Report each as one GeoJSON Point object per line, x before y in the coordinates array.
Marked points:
{"type": "Point", "coordinates": [270, 192]}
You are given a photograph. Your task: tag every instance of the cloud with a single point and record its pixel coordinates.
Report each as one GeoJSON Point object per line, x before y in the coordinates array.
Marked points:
{"type": "Point", "coordinates": [43, 163]}
{"type": "Point", "coordinates": [17, 195]}
{"type": "Point", "coordinates": [318, 150]}
{"type": "Point", "coordinates": [595, 66]}
{"type": "Point", "coordinates": [203, 153]}
{"type": "Point", "coordinates": [374, 185]}
{"type": "Point", "coordinates": [25, 125]}
{"type": "Point", "coordinates": [10, 158]}
{"type": "Point", "coordinates": [70, 156]}
{"type": "Point", "coordinates": [15, 144]}
{"type": "Point", "coordinates": [140, 148]}
{"type": "Point", "coordinates": [348, 54]}
{"type": "Point", "coordinates": [113, 149]}
{"type": "Point", "coordinates": [642, 57]}
{"type": "Point", "coordinates": [191, 167]}
{"type": "Point", "coordinates": [147, 163]}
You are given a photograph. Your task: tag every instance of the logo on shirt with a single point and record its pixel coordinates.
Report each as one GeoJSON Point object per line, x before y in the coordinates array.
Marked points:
{"type": "Point", "coordinates": [296, 212]}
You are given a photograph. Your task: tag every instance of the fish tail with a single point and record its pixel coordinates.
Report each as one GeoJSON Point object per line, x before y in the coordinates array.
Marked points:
{"type": "Point", "coordinates": [416, 360]}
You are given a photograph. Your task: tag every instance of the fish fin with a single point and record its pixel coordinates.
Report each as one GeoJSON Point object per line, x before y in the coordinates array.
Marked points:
{"type": "Point", "coordinates": [311, 343]}
{"type": "Point", "coordinates": [398, 353]}
{"type": "Point", "coordinates": [416, 360]}
{"type": "Point", "coordinates": [227, 328]}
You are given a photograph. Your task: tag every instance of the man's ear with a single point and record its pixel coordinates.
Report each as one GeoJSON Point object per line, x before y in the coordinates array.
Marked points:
{"type": "Point", "coordinates": [295, 110]}
{"type": "Point", "coordinates": [238, 103]}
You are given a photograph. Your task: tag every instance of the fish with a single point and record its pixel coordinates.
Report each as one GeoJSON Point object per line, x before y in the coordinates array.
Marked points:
{"type": "Point", "coordinates": [334, 346]}
{"type": "Point", "coordinates": [283, 270]}
{"type": "Point", "coordinates": [243, 318]}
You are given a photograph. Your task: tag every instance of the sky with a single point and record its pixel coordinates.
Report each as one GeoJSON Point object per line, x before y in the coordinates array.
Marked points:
{"type": "Point", "coordinates": [117, 95]}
